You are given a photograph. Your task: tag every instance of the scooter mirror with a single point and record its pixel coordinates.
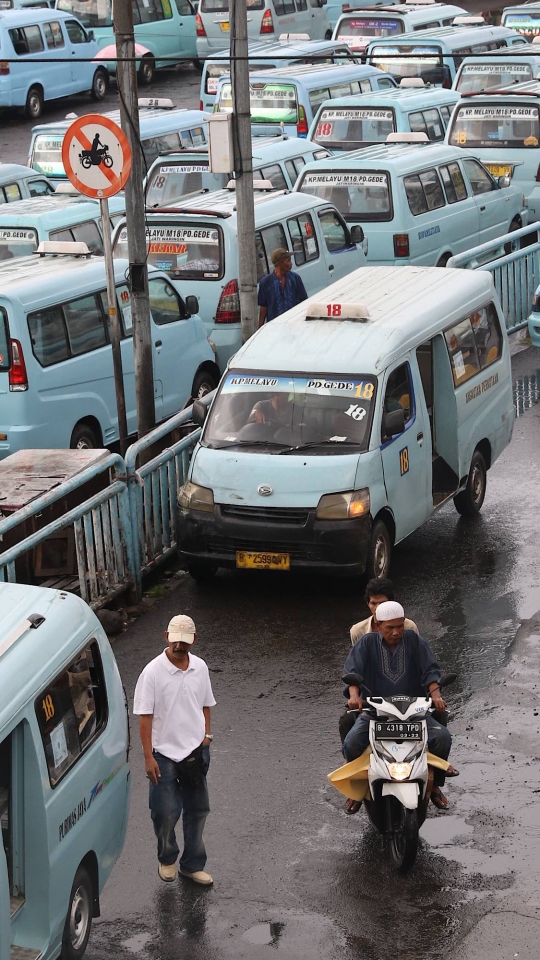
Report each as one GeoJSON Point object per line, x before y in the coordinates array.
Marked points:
{"type": "Point", "coordinates": [353, 679]}
{"type": "Point", "coordinates": [447, 679]}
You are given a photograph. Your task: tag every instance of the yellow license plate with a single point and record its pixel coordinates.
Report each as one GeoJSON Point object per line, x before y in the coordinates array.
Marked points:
{"type": "Point", "coordinates": [249, 560]}
{"type": "Point", "coordinates": [496, 170]}
{"type": "Point", "coordinates": [225, 26]}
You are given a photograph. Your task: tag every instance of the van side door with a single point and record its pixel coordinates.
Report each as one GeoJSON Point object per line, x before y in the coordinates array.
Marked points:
{"type": "Point", "coordinates": [174, 342]}
{"type": "Point", "coordinates": [493, 203]}
{"type": "Point", "coordinates": [82, 48]}
{"type": "Point", "coordinates": [320, 25]}
{"type": "Point", "coordinates": [406, 457]}
{"type": "Point", "coordinates": [340, 253]}
{"type": "Point", "coordinates": [186, 26]}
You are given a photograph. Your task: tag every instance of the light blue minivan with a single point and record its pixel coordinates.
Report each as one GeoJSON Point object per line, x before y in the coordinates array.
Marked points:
{"type": "Point", "coordinates": [499, 68]}
{"type": "Point", "coordinates": [524, 18]}
{"type": "Point", "coordinates": [64, 774]}
{"type": "Point", "coordinates": [340, 427]}
{"type": "Point", "coordinates": [20, 183]}
{"type": "Point", "coordinates": [357, 27]}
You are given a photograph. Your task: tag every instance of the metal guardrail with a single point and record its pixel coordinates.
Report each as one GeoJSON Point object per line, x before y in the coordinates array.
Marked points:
{"type": "Point", "coordinates": [516, 275]}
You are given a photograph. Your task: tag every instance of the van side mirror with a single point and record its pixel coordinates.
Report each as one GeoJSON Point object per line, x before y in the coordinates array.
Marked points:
{"type": "Point", "coordinates": [90, 34]}
{"type": "Point", "coordinates": [394, 423]}
{"type": "Point", "coordinates": [504, 182]}
{"type": "Point", "coordinates": [192, 304]}
{"type": "Point", "coordinates": [357, 234]}
{"type": "Point", "coordinates": [5, 345]}
{"type": "Point", "coordinates": [200, 412]}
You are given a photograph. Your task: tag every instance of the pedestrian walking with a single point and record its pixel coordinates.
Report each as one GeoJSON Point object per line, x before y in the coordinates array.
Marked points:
{"type": "Point", "coordinates": [173, 698]}
{"type": "Point", "coordinates": [281, 289]}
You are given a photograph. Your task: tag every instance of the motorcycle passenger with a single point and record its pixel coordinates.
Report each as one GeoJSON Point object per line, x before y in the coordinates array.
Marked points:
{"type": "Point", "coordinates": [396, 661]}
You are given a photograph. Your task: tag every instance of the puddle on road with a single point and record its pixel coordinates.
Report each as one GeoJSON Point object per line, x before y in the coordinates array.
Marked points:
{"type": "Point", "coordinates": [264, 934]}
{"type": "Point", "coordinates": [526, 392]}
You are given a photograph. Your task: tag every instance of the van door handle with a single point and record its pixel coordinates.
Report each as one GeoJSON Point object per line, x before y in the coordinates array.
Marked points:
{"type": "Point", "coordinates": [158, 343]}
{"type": "Point", "coordinates": [482, 208]}
{"type": "Point", "coordinates": [419, 437]}
{"type": "Point", "coordinates": [330, 266]}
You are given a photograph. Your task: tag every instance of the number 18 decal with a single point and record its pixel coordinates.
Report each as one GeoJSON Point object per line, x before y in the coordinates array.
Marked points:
{"type": "Point", "coordinates": [404, 461]}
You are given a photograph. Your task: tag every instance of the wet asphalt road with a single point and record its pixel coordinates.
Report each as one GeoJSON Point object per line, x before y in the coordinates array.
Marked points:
{"type": "Point", "coordinates": [293, 874]}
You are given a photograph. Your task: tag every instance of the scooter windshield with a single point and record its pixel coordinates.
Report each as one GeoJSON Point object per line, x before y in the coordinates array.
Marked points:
{"type": "Point", "coordinates": [276, 413]}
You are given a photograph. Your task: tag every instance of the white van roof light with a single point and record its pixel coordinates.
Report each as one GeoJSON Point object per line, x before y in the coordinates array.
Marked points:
{"type": "Point", "coordinates": [408, 137]}
{"type": "Point", "coordinates": [318, 310]}
{"type": "Point", "coordinates": [287, 37]}
{"type": "Point", "coordinates": [420, 3]}
{"type": "Point", "coordinates": [468, 21]}
{"type": "Point", "coordinates": [159, 103]}
{"type": "Point", "coordinates": [71, 116]}
{"type": "Point", "coordinates": [536, 39]}
{"type": "Point", "coordinates": [412, 82]}
{"type": "Point", "coordinates": [66, 186]}
{"type": "Point", "coordinates": [76, 248]}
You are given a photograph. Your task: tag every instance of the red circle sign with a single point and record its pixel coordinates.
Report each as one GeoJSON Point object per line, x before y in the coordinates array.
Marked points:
{"type": "Point", "coordinates": [96, 156]}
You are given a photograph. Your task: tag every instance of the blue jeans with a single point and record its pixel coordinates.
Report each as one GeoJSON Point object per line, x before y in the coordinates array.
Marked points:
{"type": "Point", "coordinates": [439, 742]}
{"type": "Point", "coordinates": [169, 800]}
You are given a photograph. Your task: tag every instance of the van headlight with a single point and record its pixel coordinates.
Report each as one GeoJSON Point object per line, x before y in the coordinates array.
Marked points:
{"type": "Point", "coordinates": [399, 771]}
{"type": "Point", "coordinates": [193, 497]}
{"type": "Point", "coordinates": [343, 506]}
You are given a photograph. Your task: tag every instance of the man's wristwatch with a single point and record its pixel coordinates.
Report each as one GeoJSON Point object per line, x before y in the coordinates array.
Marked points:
{"type": "Point", "coordinates": [208, 736]}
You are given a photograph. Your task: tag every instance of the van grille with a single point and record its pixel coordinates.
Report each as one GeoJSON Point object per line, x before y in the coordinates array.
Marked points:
{"type": "Point", "coordinates": [281, 515]}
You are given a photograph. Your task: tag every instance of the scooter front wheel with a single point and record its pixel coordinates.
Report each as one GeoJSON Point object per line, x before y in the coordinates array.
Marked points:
{"type": "Point", "coordinates": [404, 840]}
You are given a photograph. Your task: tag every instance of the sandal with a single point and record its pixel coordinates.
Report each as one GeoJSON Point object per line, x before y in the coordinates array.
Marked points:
{"type": "Point", "coordinates": [452, 772]}
{"type": "Point", "coordinates": [439, 800]}
{"type": "Point", "coordinates": [352, 806]}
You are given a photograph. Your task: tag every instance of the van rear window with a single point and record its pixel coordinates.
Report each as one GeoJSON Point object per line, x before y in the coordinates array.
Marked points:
{"type": "Point", "coordinates": [214, 6]}
{"type": "Point", "coordinates": [193, 251]}
{"type": "Point", "coordinates": [17, 243]}
{"type": "Point", "coordinates": [358, 196]}
{"type": "Point", "coordinates": [365, 28]}
{"type": "Point", "coordinates": [346, 128]}
{"type": "Point", "coordinates": [409, 61]}
{"type": "Point", "coordinates": [47, 155]}
{"type": "Point", "coordinates": [169, 182]}
{"type": "Point", "coordinates": [270, 102]}
{"type": "Point", "coordinates": [495, 125]}
{"type": "Point", "coordinates": [475, 77]}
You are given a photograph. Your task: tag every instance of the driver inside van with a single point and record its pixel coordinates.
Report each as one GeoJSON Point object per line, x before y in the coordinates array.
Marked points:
{"type": "Point", "coordinates": [278, 409]}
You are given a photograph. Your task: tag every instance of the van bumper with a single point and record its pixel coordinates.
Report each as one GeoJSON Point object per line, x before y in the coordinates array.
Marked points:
{"type": "Point", "coordinates": [331, 546]}
{"type": "Point", "coordinates": [534, 329]}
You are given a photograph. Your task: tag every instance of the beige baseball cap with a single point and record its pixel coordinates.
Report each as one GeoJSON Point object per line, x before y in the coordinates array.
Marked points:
{"type": "Point", "coordinates": [181, 629]}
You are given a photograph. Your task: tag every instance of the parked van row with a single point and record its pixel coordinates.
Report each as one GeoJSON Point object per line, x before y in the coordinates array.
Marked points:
{"type": "Point", "coordinates": [395, 395]}
{"type": "Point", "coordinates": [417, 203]}
{"type": "Point", "coordinates": [358, 28]}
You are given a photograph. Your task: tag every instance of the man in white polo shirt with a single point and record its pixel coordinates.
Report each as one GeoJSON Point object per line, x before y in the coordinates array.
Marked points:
{"type": "Point", "coordinates": [173, 697]}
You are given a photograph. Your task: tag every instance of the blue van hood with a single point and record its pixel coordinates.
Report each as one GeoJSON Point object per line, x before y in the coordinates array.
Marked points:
{"type": "Point", "coordinates": [296, 480]}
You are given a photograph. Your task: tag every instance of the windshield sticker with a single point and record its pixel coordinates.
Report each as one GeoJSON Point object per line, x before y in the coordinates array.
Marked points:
{"type": "Point", "coordinates": [356, 114]}
{"type": "Point", "coordinates": [182, 235]}
{"type": "Point", "coordinates": [43, 144]}
{"type": "Point", "coordinates": [345, 179]}
{"type": "Point", "coordinates": [59, 744]}
{"type": "Point", "coordinates": [185, 168]}
{"type": "Point", "coordinates": [355, 411]}
{"type": "Point", "coordinates": [459, 366]}
{"type": "Point", "coordinates": [512, 68]}
{"type": "Point", "coordinates": [21, 236]}
{"type": "Point", "coordinates": [319, 386]}
{"type": "Point", "coordinates": [498, 113]}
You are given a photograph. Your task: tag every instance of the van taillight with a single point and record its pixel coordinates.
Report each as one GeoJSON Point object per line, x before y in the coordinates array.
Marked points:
{"type": "Point", "coordinates": [4, 68]}
{"type": "Point", "coordinates": [302, 125]}
{"type": "Point", "coordinates": [201, 105]}
{"type": "Point", "coordinates": [267, 24]}
{"type": "Point", "coordinates": [401, 244]}
{"type": "Point", "coordinates": [228, 310]}
{"type": "Point", "coordinates": [18, 379]}
{"type": "Point", "coordinates": [199, 26]}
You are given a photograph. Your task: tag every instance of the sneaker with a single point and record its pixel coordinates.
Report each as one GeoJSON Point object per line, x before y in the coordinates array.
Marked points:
{"type": "Point", "coordinates": [198, 876]}
{"type": "Point", "coordinates": [167, 872]}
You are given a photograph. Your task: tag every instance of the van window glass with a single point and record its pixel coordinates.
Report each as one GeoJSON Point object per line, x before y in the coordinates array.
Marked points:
{"type": "Point", "coordinates": [274, 174]}
{"type": "Point", "coordinates": [53, 34]}
{"type": "Point", "coordinates": [358, 196]}
{"type": "Point", "coordinates": [185, 9]}
{"type": "Point", "coordinates": [480, 180]}
{"type": "Point", "coordinates": [475, 77]}
{"type": "Point", "coordinates": [92, 13]}
{"type": "Point", "coordinates": [424, 192]}
{"type": "Point", "coordinates": [71, 711]}
{"type": "Point", "coordinates": [270, 102]}
{"type": "Point", "coordinates": [346, 128]}
{"type": "Point", "coordinates": [89, 234]}
{"type": "Point", "coordinates": [461, 345]}
{"type": "Point", "coordinates": [75, 32]}
{"type": "Point", "coordinates": [515, 125]}
{"type": "Point", "coordinates": [17, 243]}
{"type": "Point", "coordinates": [26, 40]}
{"type": "Point", "coordinates": [291, 170]}
{"type": "Point", "coordinates": [384, 83]}
{"type": "Point", "coordinates": [194, 137]}
{"type": "Point", "coordinates": [154, 147]}
{"type": "Point", "coordinates": [428, 122]}
{"type": "Point", "coordinates": [343, 89]}
{"type": "Point", "coordinates": [334, 231]}
{"type": "Point", "coordinates": [283, 7]}
{"type": "Point", "coordinates": [215, 6]}
{"type": "Point", "coordinates": [191, 251]}
{"type": "Point", "coordinates": [273, 237]}
{"type": "Point", "coordinates": [316, 97]}
{"type": "Point", "coordinates": [398, 394]}
{"type": "Point", "coordinates": [304, 239]}
{"type": "Point", "coordinates": [446, 113]}
{"type": "Point", "coordinates": [9, 193]}
{"type": "Point", "coordinates": [409, 61]}
{"type": "Point", "coordinates": [85, 324]}
{"type": "Point", "coordinates": [48, 336]}
{"type": "Point", "coordinates": [487, 335]}
{"type": "Point", "coordinates": [169, 182]}
{"type": "Point", "coordinates": [365, 86]}
{"type": "Point", "coordinates": [165, 304]}
{"type": "Point", "coordinates": [150, 10]}
{"type": "Point", "coordinates": [262, 261]}
{"type": "Point", "coordinates": [301, 5]}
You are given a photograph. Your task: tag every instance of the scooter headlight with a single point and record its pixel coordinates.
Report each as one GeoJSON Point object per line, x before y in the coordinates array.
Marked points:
{"type": "Point", "coordinates": [399, 771]}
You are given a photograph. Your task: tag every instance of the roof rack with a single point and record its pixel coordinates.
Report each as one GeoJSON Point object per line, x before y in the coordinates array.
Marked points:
{"type": "Point", "coordinates": [192, 211]}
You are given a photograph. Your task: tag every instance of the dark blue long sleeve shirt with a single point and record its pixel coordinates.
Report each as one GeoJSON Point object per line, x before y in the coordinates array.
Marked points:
{"type": "Point", "coordinates": [408, 670]}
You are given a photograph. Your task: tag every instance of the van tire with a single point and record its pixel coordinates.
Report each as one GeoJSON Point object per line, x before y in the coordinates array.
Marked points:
{"type": "Point", "coordinates": [145, 74]}
{"type": "Point", "coordinates": [83, 437]}
{"type": "Point", "coordinates": [34, 103]}
{"type": "Point", "coordinates": [203, 383]}
{"type": "Point", "coordinates": [380, 551]}
{"type": "Point", "coordinates": [100, 84]}
{"type": "Point", "coordinates": [199, 65]}
{"type": "Point", "coordinates": [78, 918]}
{"type": "Point", "coordinates": [202, 571]}
{"type": "Point", "coordinates": [512, 245]}
{"type": "Point", "coordinates": [328, 35]}
{"type": "Point", "coordinates": [469, 501]}
{"type": "Point", "coordinates": [444, 259]}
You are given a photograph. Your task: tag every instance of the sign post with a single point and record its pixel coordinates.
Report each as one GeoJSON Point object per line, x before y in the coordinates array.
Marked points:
{"type": "Point", "coordinates": [97, 160]}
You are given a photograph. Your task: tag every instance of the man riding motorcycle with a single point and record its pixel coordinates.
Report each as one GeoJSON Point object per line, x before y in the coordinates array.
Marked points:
{"type": "Point", "coordinates": [396, 661]}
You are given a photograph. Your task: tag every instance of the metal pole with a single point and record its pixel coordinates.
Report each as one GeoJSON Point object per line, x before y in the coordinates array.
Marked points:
{"type": "Point", "coordinates": [114, 325]}
{"type": "Point", "coordinates": [243, 166]}
{"type": "Point", "coordinates": [126, 78]}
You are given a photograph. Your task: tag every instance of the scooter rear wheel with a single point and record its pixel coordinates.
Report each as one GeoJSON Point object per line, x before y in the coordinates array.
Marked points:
{"type": "Point", "coordinates": [404, 840]}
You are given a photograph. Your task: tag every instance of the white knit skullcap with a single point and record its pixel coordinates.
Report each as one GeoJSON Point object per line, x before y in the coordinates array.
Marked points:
{"type": "Point", "coordinates": [389, 610]}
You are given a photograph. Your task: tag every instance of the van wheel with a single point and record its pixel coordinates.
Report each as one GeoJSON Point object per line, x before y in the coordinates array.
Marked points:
{"type": "Point", "coordinates": [146, 71]}
{"type": "Point", "coordinates": [83, 438]}
{"type": "Point", "coordinates": [203, 383]}
{"type": "Point", "coordinates": [79, 917]}
{"type": "Point", "coordinates": [199, 65]}
{"type": "Point", "coordinates": [100, 84]}
{"type": "Point", "coordinates": [380, 551]}
{"type": "Point", "coordinates": [469, 501]}
{"type": "Point", "coordinates": [201, 571]}
{"type": "Point", "coordinates": [34, 103]}
{"type": "Point", "coordinates": [328, 35]}
{"type": "Point", "coordinates": [444, 260]}
{"type": "Point", "coordinates": [512, 245]}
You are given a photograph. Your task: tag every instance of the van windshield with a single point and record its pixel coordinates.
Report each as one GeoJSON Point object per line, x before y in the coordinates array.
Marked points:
{"type": "Point", "coordinates": [475, 77]}
{"type": "Point", "coordinates": [358, 196]}
{"type": "Point", "coordinates": [17, 242]}
{"type": "Point", "coordinates": [276, 412]}
{"type": "Point", "coordinates": [527, 24]}
{"type": "Point", "coordinates": [354, 31]}
{"type": "Point", "coordinates": [346, 128]}
{"type": "Point", "coordinates": [270, 102]}
{"type": "Point", "coordinates": [217, 70]}
{"type": "Point", "coordinates": [47, 154]}
{"type": "Point", "coordinates": [192, 251]}
{"type": "Point", "coordinates": [170, 181]}
{"type": "Point", "coordinates": [510, 125]}
{"type": "Point", "coordinates": [92, 13]}
{"type": "Point", "coordinates": [408, 61]}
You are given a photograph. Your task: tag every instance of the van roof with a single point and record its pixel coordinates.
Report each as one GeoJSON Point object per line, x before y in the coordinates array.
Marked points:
{"type": "Point", "coordinates": [146, 114]}
{"type": "Point", "coordinates": [286, 145]}
{"type": "Point", "coordinates": [305, 71]}
{"type": "Point", "coordinates": [523, 51]}
{"type": "Point", "coordinates": [21, 17]}
{"type": "Point", "coordinates": [29, 662]}
{"type": "Point", "coordinates": [16, 171]}
{"type": "Point", "coordinates": [456, 36]}
{"type": "Point", "coordinates": [392, 95]}
{"type": "Point", "coordinates": [55, 210]}
{"type": "Point", "coordinates": [222, 205]}
{"type": "Point", "coordinates": [285, 48]}
{"type": "Point", "coordinates": [403, 157]}
{"type": "Point", "coordinates": [420, 12]}
{"type": "Point", "coordinates": [37, 280]}
{"type": "Point", "coordinates": [405, 309]}
{"type": "Point", "coordinates": [527, 89]}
